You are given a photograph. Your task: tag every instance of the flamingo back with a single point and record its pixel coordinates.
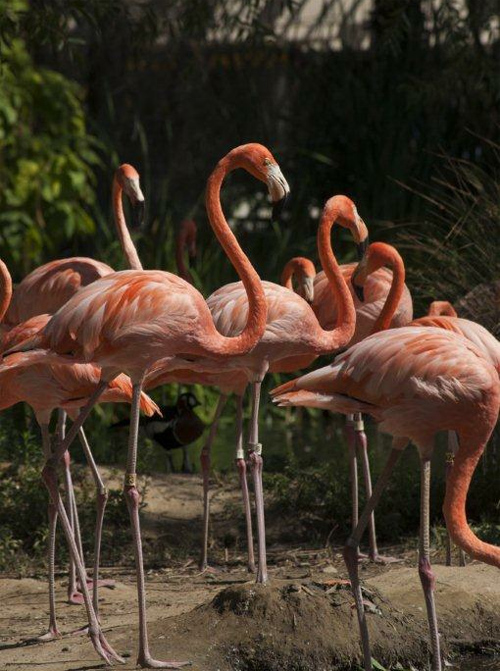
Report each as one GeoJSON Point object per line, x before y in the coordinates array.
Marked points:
{"type": "Point", "coordinates": [50, 286]}
{"type": "Point", "coordinates": [473, 331]}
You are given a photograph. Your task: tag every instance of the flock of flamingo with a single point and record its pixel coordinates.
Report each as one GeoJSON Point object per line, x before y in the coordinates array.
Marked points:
{"type": "Point", "coordinates": [75, 333]}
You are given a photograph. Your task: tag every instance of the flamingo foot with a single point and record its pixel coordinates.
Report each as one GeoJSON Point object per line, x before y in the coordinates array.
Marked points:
{"type": "Point", "coordinates": [75, 598]}
{"type": "Point", "coordinates": [103, 648]}
{"type": "Point", "coordinates": [147, 662]}
{"type": "Point", "coordinates": [80, 631]}
{"type": "Point", "coordinates": [51, 635]}
{"type": "Point", "coordinates": [206, 569]}
{"type": "Point", "coordinates": [105, 582]}
{"type": "Point", "coordinates": [384, 559]}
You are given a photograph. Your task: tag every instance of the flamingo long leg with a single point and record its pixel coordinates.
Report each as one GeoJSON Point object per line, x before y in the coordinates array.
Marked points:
{"type": "Point", "coordinates": [49, 476]}
{"type": "Point", "coordinates": [351, 554]}
{"type": "Point", "coordinates": [101, 500]}
{"type": "Point", "coordinates": [353, 469]}
{"type": "Point", "coordinates": [256, 465]}
{"type": "Point", "coordinates": [450, 457]}
{"type": "Point", "coordinates": [132, 498]}
{"type": "Point", "coordinates": [241, 465]}
{"type": "Point", "coordinates": [205, 460]}
{"type": "Point", "coordinates": [52, 631]}
{"type": "Point", "coordinates": [427, 577]}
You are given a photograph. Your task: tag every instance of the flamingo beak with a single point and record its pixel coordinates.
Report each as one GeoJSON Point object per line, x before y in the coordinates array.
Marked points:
{"type": "Point", "coordinates": [308, 289]}
{"type": "Point", "coordinates": [137, 219]}
{"type": "Point", "coordinates": [359, 291]}
{"type": "Point", "coordinates": [361, 248]}
{"type": "Point", "coordinates": [278, 189]}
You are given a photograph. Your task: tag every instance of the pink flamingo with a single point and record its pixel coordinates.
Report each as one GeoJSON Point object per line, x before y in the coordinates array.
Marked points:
{"type": "Point", "coordinates": [126, 322]}
{"type": "Point", "coordinates": [369, 304]}
{"type": "Point", "coordinates": [231, 382]}
{"type": "Point", "coordinates": [444, 316]}
{"type": "Point", "coordinates": [293, 337]}
{"type": "Point", "coordinates": [186, 239]}
{"type": "Point", "coordinates": [416, 381]}
{"type": "Point", "coordinates": [42, 292]}
{"type": "Point", "coordinates": [34, 378]}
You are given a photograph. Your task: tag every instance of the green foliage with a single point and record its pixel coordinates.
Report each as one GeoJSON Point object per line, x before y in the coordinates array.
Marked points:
{"type": "Point", "coordinates": [46, 177]}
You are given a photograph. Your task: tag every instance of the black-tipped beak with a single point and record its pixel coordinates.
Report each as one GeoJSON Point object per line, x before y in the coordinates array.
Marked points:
{"type": "Point", "coordinates": [278, 207]}
{"type": "Point", "coordinates": [358, 290]}
{"type": "Point", "coordinates": [361, 248]}
{"type": "Point", "coordinates": [137, 219]}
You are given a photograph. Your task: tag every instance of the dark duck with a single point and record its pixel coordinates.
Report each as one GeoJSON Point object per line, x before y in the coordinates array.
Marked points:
{"type": "Point", "coordinates": [179, 427]}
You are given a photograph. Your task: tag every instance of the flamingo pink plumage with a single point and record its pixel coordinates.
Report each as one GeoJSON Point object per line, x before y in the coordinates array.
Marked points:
{"type": "Point", "coordinates": [127, 321]}
{"type": "Point", "coordinates": [416, 381]}
{"type": "Point", "coordinates": [441, 309]}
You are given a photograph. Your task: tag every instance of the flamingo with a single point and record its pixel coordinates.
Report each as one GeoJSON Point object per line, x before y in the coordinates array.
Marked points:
{"type": "Point", "coordinates": [293, 337]}
{"type": "Point", "coordinates": [443, 316]}
{"type": "Point", "coordinates": [416, 381]}
{"type": "Point", "coordinates": [231, 382]}
{"type": "Point", "coordinates": [369, 305]}
{"type": "Point", "coordinates": [43, 291]}
{"type": "Point", "coordinates": [186, 239]}
{"type": "Point", "coordinates": [126, 322]}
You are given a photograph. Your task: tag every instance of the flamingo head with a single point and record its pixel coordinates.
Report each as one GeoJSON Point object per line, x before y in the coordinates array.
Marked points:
{"type": "Point", "coordinates": [348, 217]}
{"type": "Point", "coordinates": [128, 178]}
{"type": "Point", "coordinates": [259, 162]}
{"type": "Point", "coordinates": [378, 255]}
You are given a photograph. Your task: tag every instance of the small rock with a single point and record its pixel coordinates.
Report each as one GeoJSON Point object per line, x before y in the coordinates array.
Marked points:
{"type": "Point", "coordinates": [66, 648]}
{"type": "Point", "coordinates": [330, 569]}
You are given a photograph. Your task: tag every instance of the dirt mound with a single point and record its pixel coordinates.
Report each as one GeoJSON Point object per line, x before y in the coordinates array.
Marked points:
{"type": "Point", "coordinates": [299, 626]}
{"type": "Point", "coordinates": [311, 625]}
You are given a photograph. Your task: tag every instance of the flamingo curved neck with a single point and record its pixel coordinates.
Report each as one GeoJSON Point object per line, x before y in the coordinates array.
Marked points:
{"type": "Point", "coordinates": [343, 330]}
{"type": "Point", "coordinates": [257, 304]}
{"type": "Point", "coordinates": [182, 269]}
{"type": "Point", "coordinates": [5, 289]}
{"type": "Point", "coordinates": [454, 507]}
{"type": "Point", "coordinates": [126, 242]}
{"type": "Point", "coordinates": [291, 269]}
{"type": "Point", "coordinates": [394, 296]}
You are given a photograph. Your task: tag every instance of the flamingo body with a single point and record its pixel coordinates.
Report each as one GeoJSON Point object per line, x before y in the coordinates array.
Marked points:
{"type": "Point", "coordinates": [416, 381]}
{"type": "Point", "coordinates": [50, 286]}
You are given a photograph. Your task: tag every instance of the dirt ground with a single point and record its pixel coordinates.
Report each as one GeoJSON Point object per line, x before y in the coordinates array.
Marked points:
{"type": "Point", "coordinates": [222, 621]}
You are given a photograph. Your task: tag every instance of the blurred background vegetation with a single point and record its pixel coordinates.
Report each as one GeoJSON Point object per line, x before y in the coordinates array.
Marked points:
{"type": "Point", "coordinates": [393, 102]}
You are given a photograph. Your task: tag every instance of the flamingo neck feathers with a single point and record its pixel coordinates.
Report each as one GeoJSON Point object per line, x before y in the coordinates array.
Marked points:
{"type": "Point", "coordinates": [5, 289]}
{"type": "Point", "coordinates": [126, 242]}
{"type": "Point", "coordinates": [343, 330]}
{"type": "Point", "coordinates": [457, 487]}
{"type": "Point", "coordinates": [394, 296]}
{"type": "Point", "coordinates": [257, 304]}
{"type": "Point", "coordinates": [180, 247]}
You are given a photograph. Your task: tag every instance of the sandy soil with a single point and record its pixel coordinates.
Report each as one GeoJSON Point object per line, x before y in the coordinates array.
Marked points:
{"type": "Point", "coordinates": [303, 620]}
